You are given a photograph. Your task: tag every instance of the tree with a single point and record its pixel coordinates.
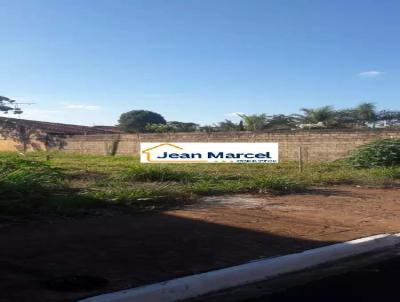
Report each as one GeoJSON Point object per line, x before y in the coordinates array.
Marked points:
{"type": "Point", "coordinates": [182, 126]}
{"type": "Point", "coordinates": [136, 120]}
{"type": "Point", "coordinates": [7, 105]}
{"type": "Point", "coordinates": [389, 118]}
{"type": "Point", "coordinates": [254, 122]}
{"type": "Point", "coordinates": [280, 121]}
{"type": "Point", "coordinates": [323, 115]}
{"type": "Point", "coordinates": [346, 117]}
{"type": "Point", "coordinates": [172, 127]}
{"type": "Point", "coordinates": [158, 128]}
{"type": "Point", "coordinates": [208, 128]}
{"type": "Point", "coordinates": [228, 125]}
{"type": "Point", "coordinates": [366, 113]}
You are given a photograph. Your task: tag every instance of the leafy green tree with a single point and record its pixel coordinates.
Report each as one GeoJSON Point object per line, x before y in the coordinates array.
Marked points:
{"type": "Point", "coordinates": [228, 125]}
{"type": "Point", "coordinates": [183, 127]}
{"type": "Point", "coordinates": [324, 115]}
{"type": "Point", "coordinates": [366, 113]}
{"type": "Point", "coordinates": [280, 121]}
{"type": "Point", "coordinates": [172, 127]}
{"type": "Point", "coordinates": [7, 104]}
{"type": "Point", "coordinates": [254, 122]}
{"type": "Point", "coordinates": [136, 120]}
{"type": "Point", "coordinates": [346, 117]}
{"type": "Point", "coordinates": [158, 128]}
{"type": "Point", "coordinates": [363, 115]}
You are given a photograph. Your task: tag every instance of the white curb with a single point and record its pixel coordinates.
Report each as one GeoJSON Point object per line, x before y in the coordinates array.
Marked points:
{"type": "Point", "coordinates": [200, 284]}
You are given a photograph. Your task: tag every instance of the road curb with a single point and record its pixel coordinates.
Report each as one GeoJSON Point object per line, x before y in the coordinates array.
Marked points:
{"type": "Point", "coordinates": [204, 283]}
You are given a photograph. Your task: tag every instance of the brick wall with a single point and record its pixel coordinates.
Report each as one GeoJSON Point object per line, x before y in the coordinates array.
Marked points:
{"type": "Point", "coordinates": [317, 145]}
{"type": "Point", "coordinates": [7, 144]}
{"type": "Point", "coordinates": [13, 144]}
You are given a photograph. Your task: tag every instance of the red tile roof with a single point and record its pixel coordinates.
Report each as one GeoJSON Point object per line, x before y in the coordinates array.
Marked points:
{"type": "Point", "coordinates": [58, 128]}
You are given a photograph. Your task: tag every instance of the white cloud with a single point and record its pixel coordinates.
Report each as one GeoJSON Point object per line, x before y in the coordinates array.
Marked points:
{"type": "Point", "coordinates": [40, 114]}
{"type": "Point", "coordinates": [371, 73]}
{"type": "Point", "coordinates": [82, 107]}
{"type": "Point", "coordinates": [233, 114]}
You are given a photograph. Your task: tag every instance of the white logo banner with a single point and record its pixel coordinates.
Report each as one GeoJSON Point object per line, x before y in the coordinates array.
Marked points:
{"type": "Point", "coordinates": [209, 153]}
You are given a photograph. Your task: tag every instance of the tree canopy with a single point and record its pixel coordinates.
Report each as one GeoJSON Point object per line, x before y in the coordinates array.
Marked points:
{"type": "Point", "coordinates": [323, 115]}
{"type": "Point", "coordinates": [254, 122]}
{"type": "Point", "coordinates": [137, 120]}
{"type": "Point", "coordinates": [173, 126]}
{"type": "Point", "coordinates": [365, 115]}
{"type": "Point", "coordinates": [7, 105]}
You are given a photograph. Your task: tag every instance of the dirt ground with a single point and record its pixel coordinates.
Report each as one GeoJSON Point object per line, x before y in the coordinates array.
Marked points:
{"type": "Point", "coordinates": [132, 250]}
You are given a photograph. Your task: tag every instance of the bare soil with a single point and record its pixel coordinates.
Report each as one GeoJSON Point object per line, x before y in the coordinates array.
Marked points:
{"type": "Point", "coordinates": [132, 250]}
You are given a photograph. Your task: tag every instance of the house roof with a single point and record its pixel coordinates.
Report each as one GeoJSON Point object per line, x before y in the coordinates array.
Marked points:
{"type": "Point", "coordinates": [112, 129]}
{"type": "Point", "coordinates": [161, 145]}
{"type": "Point", "coordinates": [58, 128]}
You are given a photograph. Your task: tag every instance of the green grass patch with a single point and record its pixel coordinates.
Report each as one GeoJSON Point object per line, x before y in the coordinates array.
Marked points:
{"type": "Point", "coordinates": [71, 183]}
{"type": "Point", "coordinates": [155, 173]}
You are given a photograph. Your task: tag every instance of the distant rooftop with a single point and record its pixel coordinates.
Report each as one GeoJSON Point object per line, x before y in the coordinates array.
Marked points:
{"type": "Point", "coordinates": [58, 128]}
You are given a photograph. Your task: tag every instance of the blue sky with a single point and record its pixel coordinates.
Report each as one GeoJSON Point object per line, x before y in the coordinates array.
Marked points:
{"type": "Point", "coordinates": [88, 61]}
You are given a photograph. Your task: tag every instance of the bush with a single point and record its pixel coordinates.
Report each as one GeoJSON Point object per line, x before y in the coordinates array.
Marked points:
{"type": "Point", "coordinates": [380, 153]}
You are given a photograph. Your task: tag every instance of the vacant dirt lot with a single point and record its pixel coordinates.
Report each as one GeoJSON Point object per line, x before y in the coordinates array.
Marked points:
{"type": "Point", "coordinates": [131, 250]}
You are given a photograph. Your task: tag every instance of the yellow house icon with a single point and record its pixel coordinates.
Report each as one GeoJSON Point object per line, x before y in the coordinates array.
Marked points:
{"type": "Point", "coordinates": [148, 153]}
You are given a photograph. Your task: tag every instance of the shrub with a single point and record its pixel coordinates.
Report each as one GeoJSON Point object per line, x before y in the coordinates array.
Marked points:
{"type": "Point", "coordinates": [380, 153]}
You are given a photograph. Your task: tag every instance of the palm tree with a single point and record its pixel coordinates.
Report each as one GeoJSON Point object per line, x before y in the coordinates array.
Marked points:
{"type": "Point", "coordinates": [366, 113]}
{"type": "Point", "coordinates": [254, 122]}
{"type": "Point", "coordinates": [280, 121]}
{"type": "Point", "coordinates": [228, 125]}
{"type": "Point", "coordinates": [322, 115]}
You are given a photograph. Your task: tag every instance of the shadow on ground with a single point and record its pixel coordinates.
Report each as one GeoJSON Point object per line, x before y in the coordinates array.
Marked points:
{"type": "Point", "coordinates": [126, 250]}
{"type": "Point", "coordinates": [375, 282]}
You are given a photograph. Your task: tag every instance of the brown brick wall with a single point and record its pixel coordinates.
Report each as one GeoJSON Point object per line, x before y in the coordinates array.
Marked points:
{"type": "Point", "coordinates": [318, 145]}
{"type": "Point", "coordinates": [7, 144]}
{"type": "Point", "coordinates": [13, 144]}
